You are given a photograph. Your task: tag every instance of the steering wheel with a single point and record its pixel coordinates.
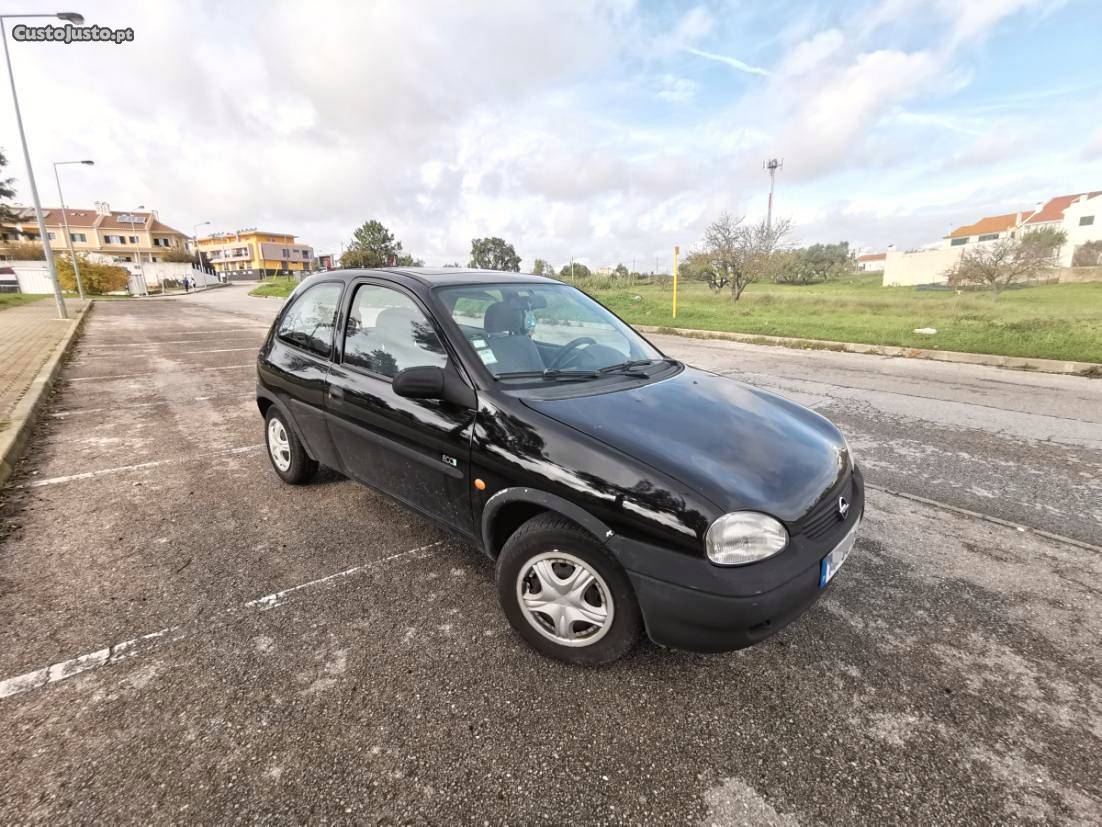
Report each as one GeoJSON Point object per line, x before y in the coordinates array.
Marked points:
{"type": "Point", "coordinates": [568, 350]}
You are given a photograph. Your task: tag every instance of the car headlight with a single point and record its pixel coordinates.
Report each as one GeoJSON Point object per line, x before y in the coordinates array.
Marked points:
{"type": "Point", "coordinates": [743, 537]}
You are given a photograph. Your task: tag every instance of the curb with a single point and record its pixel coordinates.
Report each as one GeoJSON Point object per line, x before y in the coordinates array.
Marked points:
{"type": "Point", "coordinates": [15, 437]}
{"type": "Point", "coordinates": [1010, 362]}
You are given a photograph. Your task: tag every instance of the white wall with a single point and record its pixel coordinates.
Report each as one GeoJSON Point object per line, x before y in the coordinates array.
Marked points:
{"type": "Point", "coordinates": [920, 267]}
{"type": "Point", "coordinates": [1077, 234]}
{"type": "Point", "coordinates": [33, 276]}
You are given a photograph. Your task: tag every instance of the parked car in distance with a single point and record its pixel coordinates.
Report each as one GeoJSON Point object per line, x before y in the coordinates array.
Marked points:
{"type": "Point", "coordinates": [618, 490]}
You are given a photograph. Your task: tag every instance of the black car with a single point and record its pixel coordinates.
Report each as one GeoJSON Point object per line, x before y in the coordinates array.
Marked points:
{"type": "Point", "coordinates": [617, 489]}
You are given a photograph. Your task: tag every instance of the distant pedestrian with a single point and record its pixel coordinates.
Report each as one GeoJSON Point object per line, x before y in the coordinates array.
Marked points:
{"type": "Point", "coordinates": [187, 284]}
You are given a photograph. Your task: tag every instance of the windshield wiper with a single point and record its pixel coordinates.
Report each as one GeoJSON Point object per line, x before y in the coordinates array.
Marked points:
{"type": "Point", "coordinates": [550, 374]}
{"type": "Point", "coordinates": [631, 366]}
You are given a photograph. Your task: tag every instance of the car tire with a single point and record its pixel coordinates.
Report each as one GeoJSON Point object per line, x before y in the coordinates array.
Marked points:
{"type": "Point", "coordinates": [285, 451]}
{"type": "Point", "coordinates": [590, 616]}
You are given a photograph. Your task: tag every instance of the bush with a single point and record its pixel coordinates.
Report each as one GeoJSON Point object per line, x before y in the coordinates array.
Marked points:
{"type": "Point", "coordinates": [96, 277]}
{"type": "Point", "coordinates": [23, 251]}
{"type": "Point", "coordinates": [176, 254]}
{"type": "Point", "coordinates": [1087, 255]}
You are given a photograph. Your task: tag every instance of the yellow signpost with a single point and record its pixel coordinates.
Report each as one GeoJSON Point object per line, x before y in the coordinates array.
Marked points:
{"type": "Point", "coordinates": [676, 252]}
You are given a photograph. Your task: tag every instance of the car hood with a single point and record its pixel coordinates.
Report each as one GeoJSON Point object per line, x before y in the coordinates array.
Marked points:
{"type": "Point", "coordinates": [736, 445]}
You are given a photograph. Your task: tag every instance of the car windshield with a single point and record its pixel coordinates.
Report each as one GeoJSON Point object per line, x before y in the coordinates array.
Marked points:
{"type": "Point", "coordinates": [543, 331]}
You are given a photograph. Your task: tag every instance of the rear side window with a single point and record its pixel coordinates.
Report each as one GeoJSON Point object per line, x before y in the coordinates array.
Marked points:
{"type": "Point", "coordinates": [387, 332]}
{"type": "Point", "coordinates": [309, 322]}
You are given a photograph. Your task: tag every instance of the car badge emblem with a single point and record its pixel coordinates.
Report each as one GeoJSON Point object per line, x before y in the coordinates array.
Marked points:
{"type": "Point", "coordinates": [843, 507]}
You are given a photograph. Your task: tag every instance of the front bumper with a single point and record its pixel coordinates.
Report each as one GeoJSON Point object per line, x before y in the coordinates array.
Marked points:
{"type": "Point", "coordinates": [689, 603]}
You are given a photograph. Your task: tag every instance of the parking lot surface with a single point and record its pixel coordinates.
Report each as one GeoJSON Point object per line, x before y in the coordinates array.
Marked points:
{"type": "Point", "coordinates": [184, 638]}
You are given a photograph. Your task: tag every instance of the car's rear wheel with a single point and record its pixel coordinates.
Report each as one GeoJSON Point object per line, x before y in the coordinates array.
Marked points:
{"type": "Point", "coordinates": [288, 457]}
{"type": "Point", "coordinates": [564, 593]}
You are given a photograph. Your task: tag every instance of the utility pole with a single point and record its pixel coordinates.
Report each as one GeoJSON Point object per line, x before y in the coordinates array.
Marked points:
{"type": "Point", "coordinates": [772, 165]}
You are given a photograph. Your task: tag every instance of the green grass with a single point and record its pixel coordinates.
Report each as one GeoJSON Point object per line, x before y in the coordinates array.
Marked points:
{"type": "Point", "coordinates": [13, 299]}
{"type": "Point", "coordinates": [1055, 321]}
{"type": "Point", "coordinates": [278, 286]}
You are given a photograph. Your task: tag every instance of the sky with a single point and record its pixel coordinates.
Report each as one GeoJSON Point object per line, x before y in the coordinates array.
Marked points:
{"type": "Point", "coordinates": [606, 131]}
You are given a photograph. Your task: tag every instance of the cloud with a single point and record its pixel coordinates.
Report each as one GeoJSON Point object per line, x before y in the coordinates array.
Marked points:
{"type": "Point", "coordinates": [1092, 151]}
{"type": "Point", "coordinates": [733, 62]}
{"type": "Point", "coordinates": [676, 90]}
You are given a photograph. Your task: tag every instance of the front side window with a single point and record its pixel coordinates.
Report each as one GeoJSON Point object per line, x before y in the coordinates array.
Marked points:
{"type": "Point", "coordinates": [387, 332]}
{"type": "Point", "coordinates": [310, 321]}
{"type": "Point", "coordinates": [957, 242]}
{"type": "Point", "coordinates": [526, 328]}
{"type": "Point", "coordinates": [1086, 220]}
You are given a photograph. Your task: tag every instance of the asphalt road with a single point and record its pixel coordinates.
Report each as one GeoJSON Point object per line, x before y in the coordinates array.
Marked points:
{"type": "Point", "coordinates": [186, 639]}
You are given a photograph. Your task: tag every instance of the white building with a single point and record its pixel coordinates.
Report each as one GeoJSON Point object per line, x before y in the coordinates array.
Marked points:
{"type": "Point", "coordinates": [871, 263]}
{"type": "Point", "coordinates": [1078, 215]}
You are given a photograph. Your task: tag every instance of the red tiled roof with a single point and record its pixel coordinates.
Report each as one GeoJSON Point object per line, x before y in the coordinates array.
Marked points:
{"type": "Point", "coordinates": [988, 224]}
{"type": "Point", "coordinates": [1054, 209]}
{"type": "Point", "coordinates": [873, 257]}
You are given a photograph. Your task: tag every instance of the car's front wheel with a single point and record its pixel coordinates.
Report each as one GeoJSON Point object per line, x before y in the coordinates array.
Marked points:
{"type": "Point", "coordinates": [288, 457]}
{"type": "Point", "coordinates": [565, 595]}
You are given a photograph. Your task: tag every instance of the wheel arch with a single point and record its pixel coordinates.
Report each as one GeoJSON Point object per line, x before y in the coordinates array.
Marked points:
{"type": "Point", "coordinates": [508, 509]}
{"type": "Point", "coordinates": [266, 400]}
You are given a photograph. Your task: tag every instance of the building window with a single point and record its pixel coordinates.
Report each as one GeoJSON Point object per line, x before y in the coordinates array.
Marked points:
{"type": "Point", "coordinates": [1086, 220]}
{"type": "Point", "coordinates": [957, 242]}
{"type": "Point", "coordinates": [988, 237]}
{"type": "Point", "coordinates": [286, 253]}
{"type": "Point", "coordinates": [133, 239]}
{"type": "Point", "coordinates": [161, 242]}
{"type": "Point", "coordinates": [78, 236]}
{"type": "Point", "coordinates": [113, 239]}
{"type": "Point", "coordinates": [50, 236]}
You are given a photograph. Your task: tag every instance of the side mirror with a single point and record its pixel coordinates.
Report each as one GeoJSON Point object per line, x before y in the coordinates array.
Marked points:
{"type": "Point", "coordinates": [420, 383]}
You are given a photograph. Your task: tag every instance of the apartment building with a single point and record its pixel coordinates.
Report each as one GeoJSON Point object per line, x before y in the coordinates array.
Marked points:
{"type": "Point", "coordinates": [252, 254]}
{"type": "Point", "coordinates": [100, 232]}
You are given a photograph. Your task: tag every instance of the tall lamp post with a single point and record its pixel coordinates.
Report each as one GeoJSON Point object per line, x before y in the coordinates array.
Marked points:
{"type": "Point", "coordinates": [195, 238]}
{"type": "Point", "coordinates": [141, 268]}
{"type": "Point", "coordinates": [65, 222]}
{"type": "Point", "coordinates": [68, 17]}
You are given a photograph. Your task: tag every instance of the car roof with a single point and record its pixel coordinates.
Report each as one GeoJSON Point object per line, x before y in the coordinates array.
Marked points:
{"type": "Point", "coordinates": [435, 276]}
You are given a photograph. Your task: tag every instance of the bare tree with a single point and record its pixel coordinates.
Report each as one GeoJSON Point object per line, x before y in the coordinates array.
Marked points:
{"type": "Point", "coordinates": [758, 245]}
{"type": "Point", "coordinates": [722, 251]}
{"type": "Point", "coordinates": [1001, 263]}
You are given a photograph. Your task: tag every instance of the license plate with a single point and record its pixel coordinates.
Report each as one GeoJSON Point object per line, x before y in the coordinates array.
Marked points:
{"type": "Point", "coordinates": [833, 561]}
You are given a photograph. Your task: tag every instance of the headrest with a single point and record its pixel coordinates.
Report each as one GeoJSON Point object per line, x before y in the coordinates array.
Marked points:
{"type": "Point", "coordinates": [396, 321]}
{"type": "Point", "coordinates": [502, 317]}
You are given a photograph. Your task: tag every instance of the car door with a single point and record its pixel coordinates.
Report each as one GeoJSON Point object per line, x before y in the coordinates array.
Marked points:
{"type": "Point", "coordinates": [416, 450]}
{"type": "Point", "coordinates": [296, 367]}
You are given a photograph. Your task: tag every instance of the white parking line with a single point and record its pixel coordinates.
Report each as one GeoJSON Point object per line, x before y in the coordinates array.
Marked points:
{"type": "Point", "coordinates": [144, 354]}
{"type": "Point", "coordinates": [154, 373]}
{"type": "Point", "coordinates": [87, 475]}
{"type": "Point", "coordinates": [56, 672]}
{"type": "Point", "coordinates": [77, 411]}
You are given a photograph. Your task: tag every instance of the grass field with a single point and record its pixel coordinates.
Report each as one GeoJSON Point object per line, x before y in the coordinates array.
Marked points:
{"type": "Point", "coordinates": [1053, 321]}
{"type": "Point", "coordinates": [13, 299]}
{"type": "Point", "coordinates": [278, 286]}
{"type": "Point", "coordinates": [1056, 321]}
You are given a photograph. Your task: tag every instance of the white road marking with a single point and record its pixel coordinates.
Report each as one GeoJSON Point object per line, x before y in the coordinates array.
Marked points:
{"type": "Point", "coordinates": [56, 672]}
{"type": "Point", "coordinates": [146, 354]}
{"type": "Point", "coordinates": [87, 475]}
{"type": "Point", "coordinates": [76, 411]}
{"type": "Point", "coordinates": [155, 373]}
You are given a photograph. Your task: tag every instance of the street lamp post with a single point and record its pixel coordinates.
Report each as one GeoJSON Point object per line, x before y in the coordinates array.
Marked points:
{"type": "Point", "coordinates": [141, 268]}
{"type": "Point", "coordinates": [69, 17]}
{"type": "Point", "coordinates": [195, 238]}
{"type": "Point", "coordinates": [65, 222]}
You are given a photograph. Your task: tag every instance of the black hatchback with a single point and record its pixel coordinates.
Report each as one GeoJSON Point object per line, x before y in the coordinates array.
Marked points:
{"type": "Point", "coordinates": [618, 490]}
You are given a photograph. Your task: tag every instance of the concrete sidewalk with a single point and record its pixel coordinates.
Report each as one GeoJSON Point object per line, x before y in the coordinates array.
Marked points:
{"type": "Point", "coordinates": [28, 335]}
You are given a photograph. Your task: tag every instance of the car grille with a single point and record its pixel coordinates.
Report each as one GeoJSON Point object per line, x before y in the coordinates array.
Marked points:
{"type": "Point", "coordinates": [823, 518]}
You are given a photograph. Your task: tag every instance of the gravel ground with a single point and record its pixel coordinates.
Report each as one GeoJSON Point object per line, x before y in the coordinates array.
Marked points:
{"type": "Point", "coordinates": [951, 675]}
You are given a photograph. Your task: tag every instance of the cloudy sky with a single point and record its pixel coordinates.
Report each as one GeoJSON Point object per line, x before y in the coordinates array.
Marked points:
{"type": "Point", "coordinates": [607, 131]}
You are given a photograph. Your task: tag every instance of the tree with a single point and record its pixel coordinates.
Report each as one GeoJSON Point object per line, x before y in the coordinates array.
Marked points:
{"type": "Point", "coordinates": [7, 192]}
{"type": "Point", "coordinates": [741, 253]}
{"type": "Point", "coordinates": [96, 276]}
{"type": "Point", "coordinates": [23, 251]}
{"type": "Point", "coordinates": [1087, 255]}
{"type": "Point", "coordinates": [699, 266]}
{"type": "Point", "coordinates": [543, 268]}
{"type": "Point", "coordinates": [178, 254]}
{"type": "Point", "coordinates": [494, 254]}
{"type": "Point", "coordinates": [621, 272]}
{"type": "Point", "coordinates": [373, 245]}
{"type": "Point", "coordinates": [819, 262]}
{"type": "Point", "coordinates": [999, 264]}
{"type": "Point", "coordinates": [580, 272]}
